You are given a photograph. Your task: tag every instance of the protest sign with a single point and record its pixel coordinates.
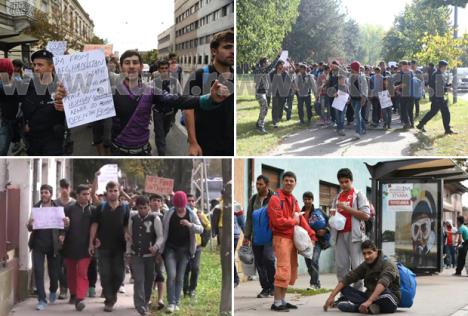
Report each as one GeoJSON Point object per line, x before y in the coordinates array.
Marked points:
{"type": "Point", "coordinates": [340, 101]}
{"type": "Point", "coordinates": [284, 57]}
{"type": "Point", "coordinates": [107, 49]}
{"type": "Point", "coordinates": [159, 185]}
{"type": "Point", "coordinates": [385, 99]}
{"type": "Point", "coordinates": [107, 173]}
{"type": "Point", "coordinates": [57, 48]}
{"type": "Point", "coordinates": [86, 80]}
{"type": "Point", "coordinates": [48, 217]}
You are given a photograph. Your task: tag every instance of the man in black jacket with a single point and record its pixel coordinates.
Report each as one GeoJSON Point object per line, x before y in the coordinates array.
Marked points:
{"type": "Point", "coordinates": [264, 255]}
{"type": "Point", "coordinates": [44, 125]}
{"type": "Point", "coordinates": [45, 243]}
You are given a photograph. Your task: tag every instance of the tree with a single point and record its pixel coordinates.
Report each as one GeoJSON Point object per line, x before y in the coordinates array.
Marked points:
{"type": "Point", "coordinates": [97, 40]}
{"type": "Point", "coordinates": [438, 47]}
{"type": "Point", "coordinates": [316, 35]}
{"type": "Point", "coordinates": [351, 36]}
{"type": "Point", "coordinates": [418, 18]}
{"type": "Point", "coordinates": [150, 57]}
{"type": "Point", "coordinates": [370, 48]}
{"type": "Point", "coordinates": [261, 27]}
{"type": "Point", "coordinates": [440, 3]}
{"type": "Point", "coordinates": [52, 28]}
{"type": "Point", "coordinates": [226, 241]}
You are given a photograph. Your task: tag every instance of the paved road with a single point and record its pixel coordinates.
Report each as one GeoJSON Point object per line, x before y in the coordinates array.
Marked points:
{"type": "Point", "coordinates": [436, 295]}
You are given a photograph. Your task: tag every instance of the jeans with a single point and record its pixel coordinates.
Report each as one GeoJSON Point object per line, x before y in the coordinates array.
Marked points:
{"type": "Point", "coordinates": [38, 258]}
{"type": "Point", "coordinates": [386, 301]}
{"type": "Point", "coordinates": [62, 273]}
{"type": "Point", "coordinates": [92, 272]}
{"type": "Point", "coordinates": [192, 271]}
{"type": "Point", "coordinates": [176, 260]}
{"type": "Point", "coordinates": [262, 101]}
{"type": "Point", "coordinates": [333, 113]}
{"type": "Point", "coordinates": [264, 258]}
{"type": "Point", "coordinates": [376, 110]}
{"type": "Point", "coordinates": [387, 116]}
{"type": "Point", "coordinates": [324, 108]}
{"type": "Point", "coordinates": [437, 105]}
{"type": "Point", "coordinates": [313, 266]}
{"type": "Point", "coordinates": [461, 257]}
{"type": "Point", "coordinates": [112, 272]}
{"type": "Point", "coordinates": [289, 105]}
{"type": "Point", "coordinates": [162, 126]}
{"type": "Point", "coordinates": [451, 256]}
{"type": "Point", "coordinates": [5, 138]}
{"type": "Point", "coordinates": [340, 116]}
{"type": "Point", "coordinates": [307, 101]}
{"type": "Point", "coordinates": [277, 109]}
{"type": "Point", "coordinates": [360, 125]}
{"type": "Point", "coordinates": [236, 275]}
{"type": "Point", "coordinates": [406, 110]}
{"type": "Point", "coordinates": [143, 276]}
{"type": "Point", "coordinates": [416, 105]}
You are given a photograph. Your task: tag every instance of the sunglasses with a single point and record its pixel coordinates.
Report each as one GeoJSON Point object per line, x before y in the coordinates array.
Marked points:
{"type": "Point", "coordinates": [421, 229]}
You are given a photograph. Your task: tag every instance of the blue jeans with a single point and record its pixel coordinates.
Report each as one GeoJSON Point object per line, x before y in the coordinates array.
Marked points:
{"type": "Point", "coordinates": [451, 255]}
{"type": "Point", "coordinates": [340, 116]}
{"type": "Point", "coordinates": [5, 138]}
{"type": "Point", "coordinates": [175, 260]}
{"type": "Point", "coordinates": [360, 125]}
{"type": "Point", "coordinates": [313, 266]}
{"type": "Point", "coordinates": [38, 258]}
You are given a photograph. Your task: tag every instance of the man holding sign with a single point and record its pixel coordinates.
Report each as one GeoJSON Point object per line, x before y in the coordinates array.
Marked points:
{"type": "Point", "coordinates": [45, 241]}
{"type": "Point", "coordinates": [133, 102]}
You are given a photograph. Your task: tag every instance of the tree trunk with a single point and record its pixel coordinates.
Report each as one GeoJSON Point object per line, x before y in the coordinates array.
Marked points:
{"type": "Point", "coordinates": [226, 241]}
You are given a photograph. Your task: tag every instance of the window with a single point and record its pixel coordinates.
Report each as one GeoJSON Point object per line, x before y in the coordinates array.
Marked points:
{"type": "Point", "coordinates": [207, 60]}
{"type": "Point", "coordinates": [224, 11]}
{"type": "Point", "coordinates": [328, 192]}
{"type": "Point", "coordinates": [274, 174]}
{"type": "Point", "coordinates": [200, 59]}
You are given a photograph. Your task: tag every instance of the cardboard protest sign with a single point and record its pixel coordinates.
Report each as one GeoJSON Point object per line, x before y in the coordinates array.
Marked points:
{"type": "Point", "coordinates": [86, 79]}
{"type": "Point", "coordinates": [48, 217]}
{"type": "Point", "coordinates": [107, 49]}
{"type": "Point", "coordinates": [159, 185]}
{"type": "Point", "coordinates": [57, 48]}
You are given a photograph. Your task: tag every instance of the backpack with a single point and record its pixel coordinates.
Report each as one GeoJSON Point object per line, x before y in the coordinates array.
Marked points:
{"type": "Point", "coordinates": [320, 222]}
{"type": "Point", "coordinates": [407, 286]}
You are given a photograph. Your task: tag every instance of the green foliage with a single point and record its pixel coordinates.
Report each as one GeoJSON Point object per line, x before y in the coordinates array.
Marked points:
{"type": "Point", "coordinates": [417, 20]}
{"type": "Point", "coordinates": [150, 57]}
{"type": "Point", "coordinates": [307, 292]}
{"type": "Point", "coordinates": [370, 48]}
{"type": "Point", "coordinates": [438, 47]}
{"type": "Point", "coordinates": [440, 3]}
{"type": "Point", "coordinates": [261, 27]}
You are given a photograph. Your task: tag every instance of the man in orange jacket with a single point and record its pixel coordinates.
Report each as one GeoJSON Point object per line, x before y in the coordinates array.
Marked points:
{"type": "Point", "coordinates": [285, 214]}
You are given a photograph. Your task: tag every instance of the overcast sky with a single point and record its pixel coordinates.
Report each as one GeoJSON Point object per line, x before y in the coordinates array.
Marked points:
{"type": "Point", "coordinates": [130, 24]}
{"type": "Point", "coordinates": [383, 12]}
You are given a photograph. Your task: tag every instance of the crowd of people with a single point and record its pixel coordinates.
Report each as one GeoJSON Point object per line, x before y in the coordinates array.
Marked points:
{"type": "Point", "coordinates": [33, 118]}
{"type": "Point", "coordinates": [358, 262]}
{"type": "Point", "coordinates": [316, 86]}
{"type": "Point", "coordinates": [157, 239]}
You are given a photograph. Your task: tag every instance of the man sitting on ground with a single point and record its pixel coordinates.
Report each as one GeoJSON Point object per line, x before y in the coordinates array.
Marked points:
{"type": "Point", "coordinates": [381, 279]}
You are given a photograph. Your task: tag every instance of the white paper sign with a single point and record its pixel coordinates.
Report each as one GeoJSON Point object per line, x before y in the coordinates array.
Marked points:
{"type": "Point", "coordinates": [48, 217]}
{"type": "Point", "coordinates": [284, 57]}
{"type": "Point", "coordinates": [107, 173]}
{"type": "Point", "coordinates": [385, 99]}
{"type": "Point", "coordinates": [340, 101]}
{"type": "Point", "coordinates": [57, 48]}
{"type": "Point", "coordinates": [86, 79]}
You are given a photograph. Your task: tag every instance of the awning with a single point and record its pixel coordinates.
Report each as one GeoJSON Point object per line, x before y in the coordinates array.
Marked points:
{"type": "Point", "coordinates": [7, 33]}
{"type": "Point", "coordinates": [10, 42]}
{"type": "Point", "coordinates": [445, 169]}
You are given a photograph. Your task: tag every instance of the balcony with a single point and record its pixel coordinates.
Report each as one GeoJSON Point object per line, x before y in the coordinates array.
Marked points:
{"type": "Point", "coordinates": [21, 8]}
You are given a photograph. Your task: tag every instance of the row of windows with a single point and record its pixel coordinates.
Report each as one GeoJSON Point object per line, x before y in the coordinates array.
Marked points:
{"type": "Point", "coordinates": [165, 39]}
{"type": "Point", "coordinates": [194, 60]}
{"type": "Point", "coordinates": [212, 17]}
{"type": "Point", "coordinates": [193, 9]}
{"type": "Point", "coordinates": [195, 42]}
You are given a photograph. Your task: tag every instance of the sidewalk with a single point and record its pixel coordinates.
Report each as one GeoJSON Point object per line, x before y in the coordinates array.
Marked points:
{"type": "Point", "coordinates": [436, 295]}
{"type": "Point", "coordinates": [94, 306]}
{"type": "Point", "coordinates": [324, 141]}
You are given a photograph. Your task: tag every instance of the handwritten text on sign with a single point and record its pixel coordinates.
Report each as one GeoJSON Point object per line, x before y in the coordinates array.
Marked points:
{"type": "Point", "coordinates": [57, 48]}
{"type": "Point", "coordinates": [107, 173]}
{"type": "Point", "coordinates": [86, 79]}
{"type": "Point", "coordinates": [48, 217]}
{"type": "Point", "coordinates": [159, 185]}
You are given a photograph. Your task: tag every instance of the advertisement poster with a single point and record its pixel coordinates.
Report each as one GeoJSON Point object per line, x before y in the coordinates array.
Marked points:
{"type": "Point", "coordinates": [409, 223]}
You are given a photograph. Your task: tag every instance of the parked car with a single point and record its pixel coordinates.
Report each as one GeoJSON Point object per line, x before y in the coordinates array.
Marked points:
{"type": "Point", "coordinates": [462, 74]}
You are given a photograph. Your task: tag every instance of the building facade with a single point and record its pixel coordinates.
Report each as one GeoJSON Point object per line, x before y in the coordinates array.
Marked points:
{"type": "Point", "coordinates": [166, 42]}
{"type": "Point", "coordinates": [20, 181]}
{"type": "Point", "coordinates": [196, 21]}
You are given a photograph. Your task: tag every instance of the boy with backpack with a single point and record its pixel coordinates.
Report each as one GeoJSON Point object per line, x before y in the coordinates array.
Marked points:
{"type": "Point", "coordinates": [263, 254]}
{"type": "Point", "coordinates": [318, 221]}
{"type": "Point", "coordinates": [284, 214]}
{"type": "Point", "coordinates": [382, 281]}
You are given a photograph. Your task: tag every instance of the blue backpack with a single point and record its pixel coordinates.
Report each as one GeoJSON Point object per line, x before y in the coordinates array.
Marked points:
{"type": "Point", "coordinates": [317, 220]}
{"type": "Point", "coordinates": [407, 286]}
{"type": "Point", "coordinates": [261, 227]}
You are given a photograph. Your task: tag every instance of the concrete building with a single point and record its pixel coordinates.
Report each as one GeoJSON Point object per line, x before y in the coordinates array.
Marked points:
{"type": "Point", "coordinates": [166, 42]}
{"type": "Point", "coordinates": [17, 15]}
{"type": "Point", "coordinates": [196, 21]}
{"type": "Point", "coordinates": [20, 181]}
{"type": "Point", "coordinates": [319, 176]}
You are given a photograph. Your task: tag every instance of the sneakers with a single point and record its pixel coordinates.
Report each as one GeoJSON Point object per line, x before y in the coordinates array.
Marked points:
{"type": "Point", "coordinates": [261, 130]}
{"type": "Point", "coordinates": [357, 136]}
{"type": "Point", "coordinates": [63, 294]}
{"type": "Point", "coordinates": [141, 310]}
{"type": "Point", "coordinates": [108, 307]}
{"type": "Point", "coordinates": [263, 294]}
{"type": "Point", "coordinates": [281, 308]}
{"type": "Point", "coordinates": [92, 292]}
{"type": "Point", "coordinates": [161, 305]}
{"type": "Point", "coordinates": [421, 128]}
{"type": "Point", "coordinates": [171, 309]}
{"type": "Point", "coordinates": [348, 307]}
{"type": "Point", "coordinates": [457, 274]}
{"type": "Point", "coordinates": [79, 306]}
{"type": "Point", "coordinates": [271, 292]}
{"type": "Point", "coordinates": [52, 297]}
{"type": "Point", "coordinates": [290, 306]}
{"type": "Point", "coordinates": [41, 306]}
{"type": "Point", "coordinates": [450, 132]}
{"type": "Point", "coordinates": [72, 299]}
{"type": "Point", "coordinates": [374, 309]}
{"type": "Point", "coordinates": [122, 289]}
{"type": "Point", "coordinates": [341, 133]}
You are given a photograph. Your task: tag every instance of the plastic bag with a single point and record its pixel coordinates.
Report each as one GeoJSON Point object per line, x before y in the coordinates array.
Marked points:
{"type": "Point", "coordinates": [246, 255]}
{"type": "Point", "coordinates": [302, 242]}
{"type": "Point", "coordinates": [337, 221]}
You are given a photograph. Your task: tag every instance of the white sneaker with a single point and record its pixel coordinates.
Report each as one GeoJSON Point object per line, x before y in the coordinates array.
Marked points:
{"type": "Point", "coordinates": [170, 309]}
{"type": "Point", "coordinates": [357, 136]}
{"type": "Point", "coordinates": [177, 308]}
{"type": "Point", "coordinates": [122, 289]}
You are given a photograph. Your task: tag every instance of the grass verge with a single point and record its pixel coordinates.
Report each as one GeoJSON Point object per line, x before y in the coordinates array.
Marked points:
{"type": "Point", "coordinates": [307, 292]}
